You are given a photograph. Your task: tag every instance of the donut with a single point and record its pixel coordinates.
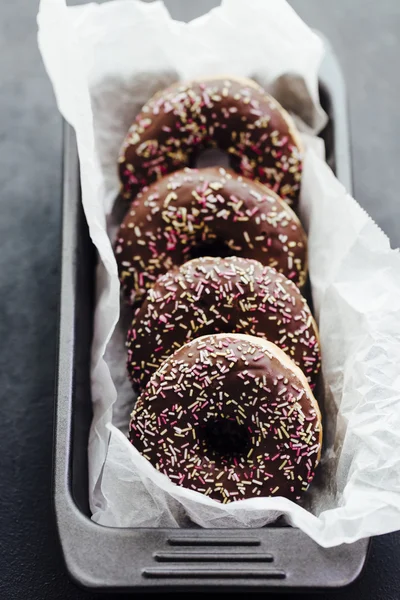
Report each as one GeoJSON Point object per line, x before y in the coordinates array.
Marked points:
{"type": "Point", "coordinates": [221, 295]}
{"type": "Point", "coordinates": [231, 417]}
{"type": "Point", "coordinates": [233, 114]}
{"type": "Point", "coordinates": [197, 212]}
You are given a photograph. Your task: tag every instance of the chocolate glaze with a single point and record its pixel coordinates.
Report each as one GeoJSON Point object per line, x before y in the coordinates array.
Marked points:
{"type": "Point", "coordinates": [245, 389]}
{"type": "Point", "coordinates": [235, 115]}
{"type": "Point", "coordinates": [193, 209]}
{"type": "Point", "coordinates": [214, 295]}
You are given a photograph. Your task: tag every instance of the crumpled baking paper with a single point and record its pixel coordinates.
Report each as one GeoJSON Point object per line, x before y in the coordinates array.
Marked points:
{"type": "Point", "coordinates": [105, 62]}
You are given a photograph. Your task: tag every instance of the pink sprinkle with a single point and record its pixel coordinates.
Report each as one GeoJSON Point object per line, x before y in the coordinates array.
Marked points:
{"type": "Point", "coordinates": [256, 150]}
{"type": "Point", "coordinates": [253, 211]}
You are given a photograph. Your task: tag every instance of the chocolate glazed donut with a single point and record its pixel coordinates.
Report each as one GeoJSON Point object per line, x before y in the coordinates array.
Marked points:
{"type": "Point", "coordinates": [232, 417]}
{"type": "Point", "coordinates": [214, 295]}
{"type": "Point", "coordinates": [198, 212]}
{"type": "Point", "coordinates": [233, 114]}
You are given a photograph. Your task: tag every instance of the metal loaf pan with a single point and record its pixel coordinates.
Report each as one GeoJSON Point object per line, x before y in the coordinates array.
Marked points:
{"type": "Point", "coordinates": [112, 559]}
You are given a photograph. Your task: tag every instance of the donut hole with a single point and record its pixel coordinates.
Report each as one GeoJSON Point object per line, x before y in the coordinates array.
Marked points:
{"type": "Point", "coordinates": [225, 438]}
{"type": "Point", "coordinates": [211, 157]}
{"type": "Point", "coordinates": [211, 248]}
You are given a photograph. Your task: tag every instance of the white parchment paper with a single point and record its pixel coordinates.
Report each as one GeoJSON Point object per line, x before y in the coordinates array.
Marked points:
{"type": "Point", "coordinates": [104, 62]}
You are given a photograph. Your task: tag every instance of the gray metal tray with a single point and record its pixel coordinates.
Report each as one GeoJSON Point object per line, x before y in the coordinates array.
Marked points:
{"type": "Point", "coordinates": [112, 559]}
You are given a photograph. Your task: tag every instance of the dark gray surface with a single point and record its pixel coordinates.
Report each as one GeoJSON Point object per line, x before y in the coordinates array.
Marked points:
{"type": "Point", "coordinates": [366, 36]}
